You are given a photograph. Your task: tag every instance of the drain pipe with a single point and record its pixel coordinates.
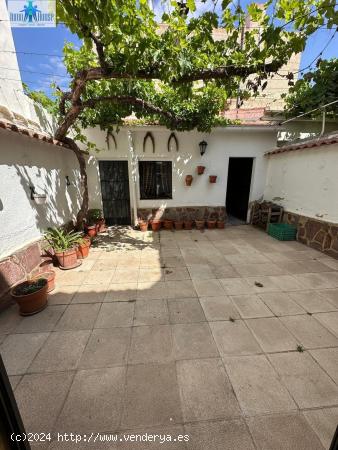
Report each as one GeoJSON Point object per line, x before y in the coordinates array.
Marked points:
{"type": "Point", "coordinates": [132, 162]}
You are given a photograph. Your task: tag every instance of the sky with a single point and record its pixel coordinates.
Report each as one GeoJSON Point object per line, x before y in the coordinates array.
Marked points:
{"type": "Point", "coordinates": [39, 51]}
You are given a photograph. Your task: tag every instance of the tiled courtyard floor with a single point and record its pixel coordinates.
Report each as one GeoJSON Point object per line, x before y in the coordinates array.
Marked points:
{"type": "Point", "coordinates": [184, 333]}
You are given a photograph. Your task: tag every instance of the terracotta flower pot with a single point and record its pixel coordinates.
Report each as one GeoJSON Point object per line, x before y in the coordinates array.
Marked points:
{"type": "Point", "coordinates": [168, 224]}
{"type": "Point", "coordinates": [91, 231]}
{"type": "Point", "coordinates": [143, 224]}
{"type": "Point", "coordinates": [200, 170]}
{"type": "Point", "coordinates": [211, 223]}
{"type": "Point", "coordinates": [100, 226]}
{"type": "Point", "coordinates": [212, 178]}
{"type": "Point", "coordinates": [178, 224]}
{"type": "Point", "coordinates": [199, 224]}
{"type": "Point", "coordinates": [67, 258]}
{"type": "Point", "coordinates": [188, 180]}
{"type": "Point", "coordinates": [82, 250]}
{"type": "Point", "coordinates": [188, 224]}
{"type": "Point", "coordinates": [30, 303]}
{"type": "Point", "coordinates": [50, 277]}
{"type": "Point", "coordinates": [220, 224]}
{"type": "Point", "coordinates": [156, 225]}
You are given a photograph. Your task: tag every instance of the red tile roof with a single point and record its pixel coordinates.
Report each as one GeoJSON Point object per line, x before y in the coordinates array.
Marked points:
{"type": "Point", "coordinates": [9, 126]}
{"type": "Point", "coordinates": [328, 139]}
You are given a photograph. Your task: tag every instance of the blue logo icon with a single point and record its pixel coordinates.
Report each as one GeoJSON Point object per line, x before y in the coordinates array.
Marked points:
{"type": "Point", "coordinates": [32, 13]}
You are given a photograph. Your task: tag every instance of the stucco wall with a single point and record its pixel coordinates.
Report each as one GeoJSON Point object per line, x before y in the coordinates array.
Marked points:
{"type": "Point", "coordinates": [222, 144]}
{"type": "Point", "coordinates": [305, 182]}
{"type": "Point", "coordinates": [24, 162]}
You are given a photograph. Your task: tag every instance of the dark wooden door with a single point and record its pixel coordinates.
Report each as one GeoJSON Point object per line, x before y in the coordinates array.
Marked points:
{"type": "Point", "coordinates": [115, 192]}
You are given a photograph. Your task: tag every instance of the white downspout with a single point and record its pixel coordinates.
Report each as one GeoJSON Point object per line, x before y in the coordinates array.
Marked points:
{"type": "Point", "coordinates": [132, 162]}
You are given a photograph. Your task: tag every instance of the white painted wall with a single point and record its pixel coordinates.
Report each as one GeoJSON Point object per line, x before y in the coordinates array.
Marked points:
{"type": "Point", "coordinates": [305, 182]}
{"type": "Point", "coordinates": [24, 162]}
{"type": "Point", "coordinates": [222, 144]}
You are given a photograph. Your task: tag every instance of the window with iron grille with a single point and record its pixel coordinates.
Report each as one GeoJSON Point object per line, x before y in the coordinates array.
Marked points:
{"type": "Point", "coordinates": [155, 179]}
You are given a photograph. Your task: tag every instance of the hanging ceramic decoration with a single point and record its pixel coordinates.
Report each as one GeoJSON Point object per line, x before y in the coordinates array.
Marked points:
{"type": "Point", "coordinates": [146, 137]}
{"type": "Point", "coordinates": [172, 141]}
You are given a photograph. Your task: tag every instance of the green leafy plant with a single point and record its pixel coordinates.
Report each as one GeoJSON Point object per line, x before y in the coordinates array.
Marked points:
{"type": "Point", "coordinates": [94, 215]}
{"type": "Point", "coordinates": [61, 240]}
{"type": "Point", "coordinates": [315, 89]}
{"type": "Point", "coordinates": [29, 287]}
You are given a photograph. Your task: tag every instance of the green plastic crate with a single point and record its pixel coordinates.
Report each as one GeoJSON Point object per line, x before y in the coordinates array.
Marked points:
{"type": "Point", "coordinates": [282, 231]}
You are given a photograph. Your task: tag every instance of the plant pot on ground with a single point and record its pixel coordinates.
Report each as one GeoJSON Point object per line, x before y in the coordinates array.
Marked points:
{"type": "Point", "coordinates": [188, 224]}
{"type": "Point", "coordinates": [95, 217]}
{"type": "Point", "coordinates": [49, 276]}
{"type": "Point", "coordinates": [64, 244]}
{"type": "Point", "coordinates": [220, 224]}
{"type": "Point", "coordinates": [199, 224]}
{"type": "Point", "coordinates": [143, 224]}
{"type": "Point", "coordinates": [178, 224]}
{"type": "Point", "coordinates": [91, 230]}
{"type": "Point", "coordinates": [200, 170]}
{"type": "Point", "coordinates": [211, 223]}
{"type": "Point", "coordinates": [156, 225]}
{"type": "Point", "coordinates": [168, 224]}
{"type": "Point", "coordinates": [82, 250]}
{"type": "Point", "coordinates": [31, 296]}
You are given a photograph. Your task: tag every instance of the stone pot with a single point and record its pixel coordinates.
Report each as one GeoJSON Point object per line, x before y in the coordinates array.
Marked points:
{"type": "Point", "coordinates": [188, 180]}
{"type": "Point", "coordinates": [67, 259]}
{"type": "Point", "coordinates": [168, 224]}
{"type": "Point", "coordinates": [200, 170]}
{"type": "Point", "coordinates": [199, 224]}
{"type": "Point", "coordinates": [30, 303]}
{"type": "Point", "coordinates": [187, 224]}
{"type": "Point", "coordinates": [50, 277]}
{"type": "Point", "coordinates": [156, 225]}
{"type": "Point", "coordinates": [178, 224]}
{"type": "Point", "coordinates": [143, 224]}
{"type": "Point", "coordinates": [212, 178]}
{"type": "Point", "coordinates": [211, 223]}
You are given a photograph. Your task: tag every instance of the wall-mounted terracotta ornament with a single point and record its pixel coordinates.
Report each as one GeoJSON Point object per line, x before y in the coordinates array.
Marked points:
{"type": "Point", "coordinates": [200, 170]}
{"type": "Point", "coordinates": [212, 178]}
{"type": "Point", "coordinates": [172, 142]}
{"type": "Point", "coordinates": [188, 180]}
{"type": "Point", "coordinates": [146, 137]}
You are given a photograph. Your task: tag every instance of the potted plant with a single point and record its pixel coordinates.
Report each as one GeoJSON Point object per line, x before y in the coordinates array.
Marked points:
{"type": "Point", "coordinates": [199, 224]}
{"type": "Point", "coordinates": [91, 230]}
{"type": "Point", "coordinates": [211, 223]}
{"type": "Point", "coordinates": [155, 224]}
{"type": "Point", "coordinates": [49, 276]}
{"type": "Point", "coordinates": [168, 224]}
{"type": "Point", "coordinates": [95, 217]}
{"type": "Point", "coordinates": [64, 245]}
{"type": "Point", "coordinates": [212, 178]}
{"type": "Point", "coordinates": [188, 180]}
{"type": "Point", "coordinates": [200, 170]}
{"type": "Point", "coordinates": [82, 250]}
{"type": "Point", "coordinates": [178, 224]}
{"type": "Point", "coordinates": [187, 221]}
{"type": "Point", "coordinates": [31, 296]}
{"type": "Point", "coordinates": [143, 224]}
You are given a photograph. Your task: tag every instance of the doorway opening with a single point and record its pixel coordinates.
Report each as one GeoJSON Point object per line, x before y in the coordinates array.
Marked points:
{"type": "Point", "coordinates": [238, 189]}
{"type": "Point", "coordinates": [115, 192]}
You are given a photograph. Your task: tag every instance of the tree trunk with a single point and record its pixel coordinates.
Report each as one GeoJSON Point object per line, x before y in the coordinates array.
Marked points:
{"type": "Point", "coordinates": [81, 215]}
